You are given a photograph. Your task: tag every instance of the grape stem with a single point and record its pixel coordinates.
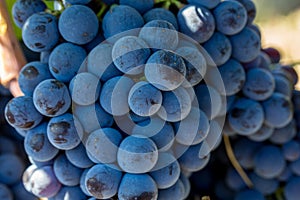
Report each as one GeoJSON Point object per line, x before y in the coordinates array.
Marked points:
{"type": "Point", "coordinates": [235, 163]}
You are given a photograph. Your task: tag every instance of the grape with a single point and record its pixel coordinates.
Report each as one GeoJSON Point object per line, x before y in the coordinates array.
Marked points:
{"type": "Point", "coordinates": [165, 70]}
{"type": "Point", "coordinates": [21, 193]}
{"type": "Point", "coordinates": [37, 144]}
{"type": "Point", "coordinates": [197, 22]}
{"type": "Point", "coordinates": [159, 34]}
{"type": "Point", "coordinates": [245, 45]}
{"type": "Point", "coordinates": [283, 85]}
{"type": "Point", "coordinates": [40, 32]}
{"type": "Point", "coordinates": [103, 144]}
{"type": "Point", "coordinates": [190, 133]}
{"type": "Point", "coordinates": [291, 150]}
{"type": "Point", "coordinates": [161, 14]}
{"type": "Point", "coordinates": [78, 24]}
{"type": "Point", "coordinates": [51, 98]}
{"type": "Point", "coordinates": [264, 160]}
{"type": "Point", "coordinates": [234, 180]}
{"type": "Point", "coordinates": [195, 65]}
{"type": "Point", "coordinates": [69, 193]}
{"type": "Point", "coordinates": [78, 157]}
{"type": "Point", "coordinates": [31, 75]}
{"type": "Point", "coordinates": [166, 172]}
{"type": "Point", "coordinates": [21, 113]}
{"type": "Point", "coordinates": [42, 182]}
{"type": "Point", "coordinates": [44, 56]}
{"type": "Point", "coordinates": [278, 110]}
{"type": "Point", "coordinates": [174, 192]}
{"type": "Point", "coordinates": [286, 174]}
{"type": "Point", "coordinates": [246, 116]}
{"type": "Point", "coordinates": [233, 76]}
{"type": "Point", "coordinates": [186, 184]}
{"type": "Point", "coordinates": [295, 167]}
{"type": "Point", "coordinates": [85, 88]}
{"type": "Point", "coordinates": [11, 167]}
{"type": "Point", "coordinates": [64, 131]}
{"type": "Point", "coordinates": [114, 95]}
{"type": "Point", "coordinates": [22, 10]}
{"type": "Point", "coordinates": [263, 185]}
{"type": "Point", "coordinates": [207, 3]}
{"type": "Point", "coordinates": [176, 105]}
{"type": "Point", "coordinates": [145, 187]}
{"type": "Point", "coordinates": [120, 19]}
{"type": "Point", "coordinates": [144, 99]}
{"type": "Point", "coordinates": [259, 85]}
{"type": "Point", "coordinates": [273, 53]}
{"type": "Point", "coordinates": [249, 194]}
{"type": "Point", "coordinates": [65, 60]}
{"type": "Point", "coordinates": [39, 163]}
{"type": "Point", "coordinates": [141, 6]}
{"type": "Point", "coordinates": [66, 173]}
{"type": "Point", "coordinates": [102, 181]}
{"type": "Point", "coordinates": [291, 189]}
{"type": "Point", "coordinates": [92, 117]}
{"type": "Point", "coordinates": [77, 1]}
{"type": "Point", "coordinates": [82, 182]}
{"type": "Point", "coordinates": [284, 134]}
{"type": "Point", "coordinates": [129, 54]}
{"type": "Point", "coordinates": [219, 48]}
{"type": "Point", "coordinates": [137, 154]}
{"type": "Point", "coordinates": [262, 134]}
{"type": "Point", "coordinates": [100, 63]}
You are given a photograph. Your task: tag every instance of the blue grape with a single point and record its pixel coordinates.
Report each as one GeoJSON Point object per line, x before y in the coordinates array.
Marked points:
{"type": "Point", "coordinates": [22, 10]}
{"type": "Point", "coordinates": [92, 117]}
{"type": "Point", "coordinates": [82, 182]}
{"type": "Point", "coordinates": [195, 65]}
{"type": "Point", "coordinates": [114, 95]}
{"type": "Point", "coordinates": [137, 154]}
{"type": "Point", "coordinates": [186, 184]}
{"type": "Point", "coordinates": [251, 10]}
{"type": "Point", "coordinates": [190, 133]}
{"type": "Point", "coordinates": [39, 163]}
{"type": "Point", "coordinates": [295, 167]}
{"type": "Point", "coordinates": [78, 24]}
{"type": "Point", "coordinates": [129, 54]}
{"type": "Point", "coordinates": [278, 110]}
{"type": "Point", "coordinates": [31, 75]}
{"type": "Point", "coordinates": [100, 63]}
{"type": "Point", "coordinates": [176, 105]}
{"type": "Point", "coordinates": [40, 32]}
{"type": "Point", "coordinates": [245, 45]}
{"type": "Point", "coordinates": [42, 181]}
{"type": "Point", "coordinates": [159, 34]}
{"type": "Point", "coordinates": [141, 6]}
{"type": "Point", "coordinates": [102, 181]}
{"type": "Point", "coordinates": [176, 191]}
{"type": "Point", "coordinates": [231, 17]}
{"type": "Point", "coordinates": [145, 187]}
{"type": "Point", "coordinates": [21, 113]}
{"type": "Point", "coordinates": [283, 85]}
{"type": "Point", "coordinates": [78, 157]}
{"type": "Point", "coordinates": [103, 144]}
{"type": "Point", "coordinates": [37, 144]}
{"type": "Point", "coordinates": [69, 193]}
{"type": "Point", "coordinates": [259, 85]}
{"type": "Point", "coordinates": [166, 172]}
{"type": "Point", "coordinates": [234, 180]}
{"type": "Point", "coordinates": [262, 134]}
{"type": "Point", "coordinates": [264, 160]}
{"type": "Point", "coordinates": [51, 98]}
{"type": "Point", "coordinates": [263, 185]}
{"type": "Point", "coordinates": [98, 39]}
{"type": "Point", "coordinates": [161, 14]}
{"type": "Point", "coordinates": [65, 131]}
{"type": "Point", "coordinates": [144, 99]}
{"type": "Point", "coordinates": [291, 189]}
{"type": "Point", "coordinates": [12, 167]}
{"type": "Point", "coordinates": [246, 116]}
{"type": "Point", "coordinates": [207, 3]}
{"type": "Point", "coordinates": [77, 1]}
{"type": "Point", "coordinates": [233, 75]}
{"type": "Point", "coordinates": [65, 60]}
{"type": "Point", "coordinates": [209, 100]}
{"type": "Point", "coordinates": [119, 19]}
{"type": "Point", "coordinates": [249, 194]}
{"type": "Point", "coordinates": [44, 56]}
{"type": "Point", "coordinates": [291, 150]}
{"type": "Point", "coordinates": [197, 22]}
{"type": "Point", "coordinates": [165, 70]}
{"type": "Point", "coordinates": [66, 172]}
{"type": "Point", "coordinates": [219, 48]}
{"type": "Point", "coordinates": [85, 88]}
{"type": "Point", "coordinates": [286, 174]}
{"type": "Point", "coordinates": [20, 192]}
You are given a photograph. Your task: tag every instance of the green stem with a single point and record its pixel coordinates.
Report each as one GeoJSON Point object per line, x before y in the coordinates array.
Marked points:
{"type": "Point", "coordinates": [102, 11]}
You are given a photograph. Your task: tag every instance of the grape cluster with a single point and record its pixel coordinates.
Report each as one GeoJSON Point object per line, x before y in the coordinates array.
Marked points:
{"type": "Point", "coordinates": [130, 97]}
